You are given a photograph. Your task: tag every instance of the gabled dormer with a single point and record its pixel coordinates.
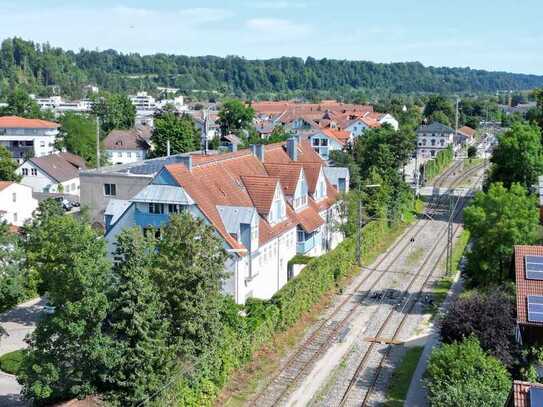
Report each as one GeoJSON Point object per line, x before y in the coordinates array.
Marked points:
{"type": "Point", "coordinates": [300, 198]}
{"type": "Point", "coordinates": [278, 209]}
{"type": "Point", "coordinates": [320, 187]}
{"type": "Point", "coordinates": [242, 224]}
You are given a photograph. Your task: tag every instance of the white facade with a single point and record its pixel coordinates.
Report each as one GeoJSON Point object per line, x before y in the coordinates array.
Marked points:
{"type": "Point", "coordinates": [28, 142]}
{"type": "Point", "coordinates": [16, 204]}
{"type": "Point", "coordinates": [58, 105]}
{"type": "Point", "coordinates": [323, 145]}
{"type": "Point", "coordinates": [39, 181]}
{"type": "Point", "coordinates": [357, 128]}
{"type": "Point", "coordinates": [389, 119]}
{"type": "Point", "coordinates": [126, 156]}
{"type": "Point", "coordinates": [433, 138]}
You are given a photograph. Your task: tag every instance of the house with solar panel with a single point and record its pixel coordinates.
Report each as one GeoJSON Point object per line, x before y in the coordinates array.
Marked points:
{"type": "Point", "coordinates": [525, 394]}
{"type": "Point", "coordinates": [529, 284]}
{"type": "Point", "coordinates": [267, 204]}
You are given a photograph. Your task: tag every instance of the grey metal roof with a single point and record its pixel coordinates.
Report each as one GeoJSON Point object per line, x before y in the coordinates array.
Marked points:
{"type": "Point", "coordinates": [334, 173]}
{"type": "Point", "coordinates": [115, 208]}
{"type": "Point", "coordinates": [232, 216]}
{"type": "Point", "coordinates": [163, 194]}
{"type": "Point", "coordinates": [434, 127]}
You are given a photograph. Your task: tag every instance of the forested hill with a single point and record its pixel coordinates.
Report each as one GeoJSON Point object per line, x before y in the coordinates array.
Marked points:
{"type": "Point", "coordinates": [38, 67]}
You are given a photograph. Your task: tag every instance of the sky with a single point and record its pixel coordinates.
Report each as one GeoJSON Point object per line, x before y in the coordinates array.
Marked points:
{"type": "Point", "coordinates": [495, 35]}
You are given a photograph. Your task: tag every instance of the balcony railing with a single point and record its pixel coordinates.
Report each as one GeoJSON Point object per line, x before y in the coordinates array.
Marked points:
{"type": "Point", "coordinates": [309, 243]}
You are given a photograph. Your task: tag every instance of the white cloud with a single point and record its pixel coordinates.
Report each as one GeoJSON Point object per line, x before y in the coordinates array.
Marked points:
{"type": "Point", "coordinates": [276, 4]}
{"type": "Point", "coordinates": [282, 26]}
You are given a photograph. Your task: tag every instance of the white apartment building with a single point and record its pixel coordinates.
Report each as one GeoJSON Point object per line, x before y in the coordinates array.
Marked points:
{"type": "Point", "coordinates": [25, 138]}
{"type": "Point", "coordinates": [58, 105]}
{"type": "Point", "coordinates": [128, 146]}
{"type": "Point", "coordinates": [267, 204]}
{"type": "Point", "coordinates": [432, 138]}
{"type": "Point", "coordinates": [16, 203]}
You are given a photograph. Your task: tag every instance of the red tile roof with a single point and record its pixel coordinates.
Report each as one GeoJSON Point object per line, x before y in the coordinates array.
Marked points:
{"type": "Point", "coordinates": [526, 287]}
{"type": "Point", "coordinates": [15, 122]}
{"type": "Point", "coordinates": [341, 136]}
{"type": "Point", "coordinates": [241, 179]}
{"type": "Point", "coordinates": [5, 184]}
{"type": "Point", "coordinates": [288, 174]}
{"type": "Point", "coordinates": [131, 139]}
{"type": "Point", "coordinates": [309, 219]}
{"type": "Point", "coordinates": [520, 393]}
{"type": "Point", "coordinates": [467, 131]}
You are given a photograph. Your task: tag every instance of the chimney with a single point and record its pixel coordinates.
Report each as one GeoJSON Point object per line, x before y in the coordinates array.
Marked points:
{"type": "Point", "coordinates": [292, 148]}
{"type": "Point", "coordinates": [187, 161]}
{"type": "Point", "coordinates": [258, 151]}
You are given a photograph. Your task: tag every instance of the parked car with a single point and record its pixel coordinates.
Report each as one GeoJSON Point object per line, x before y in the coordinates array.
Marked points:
{"type": "Point", "coordinates": [66, 205]}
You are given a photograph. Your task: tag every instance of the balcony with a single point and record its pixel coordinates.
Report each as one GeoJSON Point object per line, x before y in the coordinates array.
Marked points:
{"type": "Point", "coordinates": [146, 219]}
{"type": "Point", "coordinates": [311, 240]}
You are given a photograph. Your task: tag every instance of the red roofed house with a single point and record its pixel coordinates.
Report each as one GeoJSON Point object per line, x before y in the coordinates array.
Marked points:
{"type": "Point", "coordinates": [267, 204]}
{"type": "Point", "coordinates": [326, 140]}
{"type": "Point", "coordinates": [465, 136]}
{"type": "Point", "coordinates": [529, 283]}
{"type": "Point", "coordinates": [127, 146]}
{"type": "Point", "coordinates": [525, 394]}
{"type": "Point", "coordinates": [16, 203]}
{"type": "Point", "coordinates": [25, 138]}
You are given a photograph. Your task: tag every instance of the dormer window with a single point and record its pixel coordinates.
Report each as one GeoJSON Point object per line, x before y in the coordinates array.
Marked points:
{"type": "Point", "coordinates": [321, 190]}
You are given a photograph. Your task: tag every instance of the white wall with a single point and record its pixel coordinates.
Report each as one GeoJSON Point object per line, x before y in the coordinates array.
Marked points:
{"type": "Point", "coordinates": [16, 200]}
{"type": "Point", "coordinates": [125, 156]}
{"type": "Point", "coordinates": [41, 182]}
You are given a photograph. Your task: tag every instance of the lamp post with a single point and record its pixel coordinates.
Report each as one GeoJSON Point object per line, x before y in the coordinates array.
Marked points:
{"type": "Point", "coordinates": [359, 224]}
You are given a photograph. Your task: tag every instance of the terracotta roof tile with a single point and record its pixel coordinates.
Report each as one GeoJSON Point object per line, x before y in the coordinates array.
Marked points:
{"type": "Point", "coordinates": [467, 131]}
{"type": "Point", "coordinates": [341, 136]}
{"type": "Point", "coordinates": [526, 287]}
{"type": "Point", "coordinates": [309, 219]}
{"type": "Point", "coordinates": [130, 139]}
{"type": "Point", "coordinates": [288, 174]}
{"type": "Point", "coordinates": [5, 184]}
{"type": "Point", "coordinates": [15, 122]}
{"type": "Point", "coordinates": [520, 393]}
{"type": "Point", "coordinates": [261, 190]}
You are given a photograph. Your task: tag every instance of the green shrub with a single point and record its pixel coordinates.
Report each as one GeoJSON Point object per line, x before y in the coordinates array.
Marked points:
{"type": "Point", "coordinates": [442, 159]}
{"type": "Point", "coordinates": [11, 362]}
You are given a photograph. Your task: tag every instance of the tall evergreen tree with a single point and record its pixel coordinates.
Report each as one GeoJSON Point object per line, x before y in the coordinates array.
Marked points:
{"type": "Point", "coordinates": [189, 269]}
{"type": "Point", "coordinates": [135, 324]}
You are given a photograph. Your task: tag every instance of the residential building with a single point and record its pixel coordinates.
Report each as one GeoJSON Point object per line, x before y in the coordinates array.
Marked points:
{"type": "Point", "coordinates": [58, 105]}
{"type": "Point", "coordinates": [143, 102]}
{"type": "Point", "coordinates": [57, 172]}
{"type": "Point", "coordinates": [267, 204]}
{"type": "Point", "coordinates": [328, 140]}
{"type": "Point", "coordinates": [525, 394]}
{"type": "Point", "coordinates": [529, 287]}
{"type": "Point", "coordinates": [122, 182]}
{"type": "Point", "coordinates": [127, 146]}
{"type": "Point", "coordinates": [432, 138]}
{"type": "Point", "coordinates": [465, 136]}
{"type": "Point", "coordinates": [16, 203]}
{"type": "Point", "coordinates": [25, 138]}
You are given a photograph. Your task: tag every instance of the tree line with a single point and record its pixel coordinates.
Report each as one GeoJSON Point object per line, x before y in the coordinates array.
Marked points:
{"type": "Point", "coordinates": [42, 67]}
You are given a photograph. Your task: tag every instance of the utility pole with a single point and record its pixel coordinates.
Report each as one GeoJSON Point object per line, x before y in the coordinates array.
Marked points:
{"type": "Point", "coordinates": [97, 141]}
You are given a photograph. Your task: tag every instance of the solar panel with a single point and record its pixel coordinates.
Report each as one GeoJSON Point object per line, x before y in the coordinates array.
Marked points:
{"type": "Point", "coordinates": [534, 267]}
{"type": "Point", "coordinates": [536, 396]}
{"type": "Point", "coordinates": [535, 308]}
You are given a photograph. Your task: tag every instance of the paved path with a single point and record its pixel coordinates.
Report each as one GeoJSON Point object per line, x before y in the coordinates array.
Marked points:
{"type": "Point", "coordinates": [18, 322]}
{"type": "Point", "coordinates": [416, 395]}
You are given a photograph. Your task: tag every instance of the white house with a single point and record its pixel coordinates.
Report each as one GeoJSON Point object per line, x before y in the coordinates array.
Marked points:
{"type": "Point", "coordinates": [57, 172]}
{"type": "Point", "coordinates": [127, 146]}
{"type": "Point", "coordinates": [267, 204]}
{"type": "Point", "coordinates": [326, 140]}
{"type": "Point", "coordinates": [16, 203]}
{"type": "Point", "coordinates": [25, 138]}
{"type": "Point", "coordinates": [432, 138]}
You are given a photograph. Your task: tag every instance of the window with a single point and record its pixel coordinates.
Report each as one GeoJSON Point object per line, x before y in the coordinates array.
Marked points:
{"type": "Point", "coordinates": [433, 142]}
{"type": "Point", "coordinates": [324, 142]}
{"type": "Point", "coordinates": [73, 186]}
{"type": "Point", "coordinates": [25, 172]}
{"type": "Point", "coordinates": [174, 208]}
{"type": "Point", "coordinates": [156, 208]}
{"type": "Point", "coordinates": [301, 236]}
{"type": "Point", "coordinates": [110, 189]}
{"type": "Point", "coordinates": [14, 197]}
{"type": "Point", "coordinates": [42, 143]}
{"type": "Point", "coordinates": [315, 141]}
{"type": "Point", "coordinates": [34, 171]}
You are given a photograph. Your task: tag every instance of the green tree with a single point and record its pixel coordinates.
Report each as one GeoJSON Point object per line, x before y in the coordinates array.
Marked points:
{"type": "Point", "coordinates": [472, 152]}
{"type": "Point", "coordinates": [78, 136]}
{"type": "Point", "coordinates": [135, 324]}
{"type": "Point", "coordinates": [12, 278]}
{"type": "Point", "coordinates": [8, 166]}
{"type": "Point", "coordinates": [234, 116]}
{"type": "Point", "coordinates": [438, 103]}
{"type": "Point", "coordinates": [518, 157]}
{"type": "Point", "coordinates": [21, 104]}
{"type": "Point", "coordinates": [116, 111]}
{"type": "Point", "coordinates": [440, 117]}
{"type": "Point", "coordinates": [497, 220]}
{"type": "Point", "coordinates": [462, 374]}
{"type": "Point", "coordinates": [68, 352]}
{"type": "Point", "coordinates": [179, 130]}
{"type": "Point", "coordinates": [189, 269]}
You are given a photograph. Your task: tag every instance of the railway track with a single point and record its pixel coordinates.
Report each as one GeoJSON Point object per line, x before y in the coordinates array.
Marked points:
{"type": "Point", "coordinates": [376, 354]}
{"type": "Point", "coordinates": [327, 331]}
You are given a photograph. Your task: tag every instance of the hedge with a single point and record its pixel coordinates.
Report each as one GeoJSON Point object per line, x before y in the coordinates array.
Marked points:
{"type": "Point", "coordinates": [243, 336]}
{"type": "Point", "coordinates": [435, 166]}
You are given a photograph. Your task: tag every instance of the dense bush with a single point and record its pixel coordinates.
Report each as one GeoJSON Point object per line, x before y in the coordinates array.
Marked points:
{"type": "Point", "coordinates": [490, 318]}
{"type": "Point", "coordinates": [462, 374]}
{"type": "Point", "coordinates": [438, 164]}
